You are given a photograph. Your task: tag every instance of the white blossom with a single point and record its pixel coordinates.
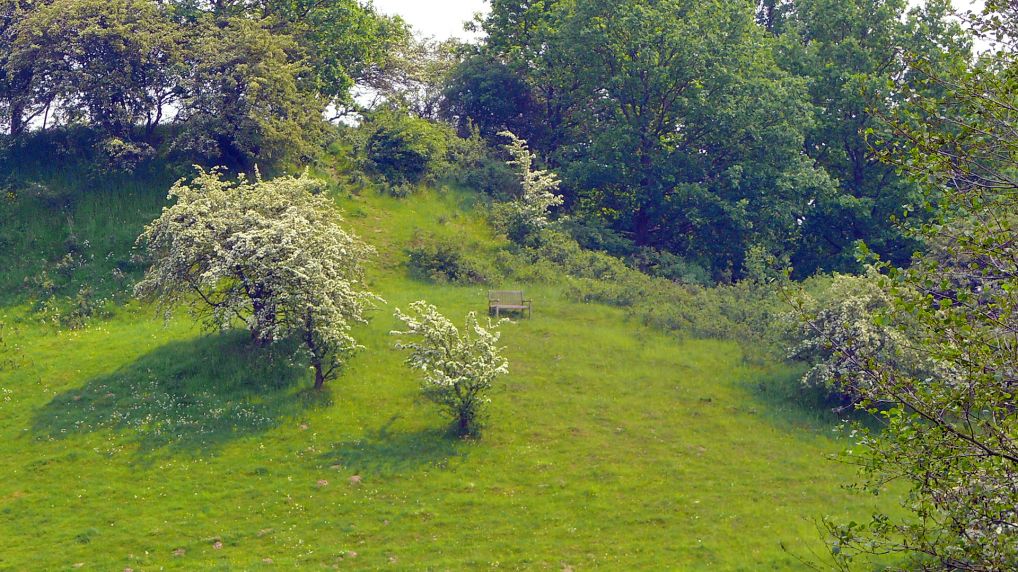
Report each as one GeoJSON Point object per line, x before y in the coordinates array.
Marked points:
{"type": "Point", "coordinates": [458, 368]}
{"type": "Point", "coordinates": [270, 254]}
{"type": "Point", "coordinates": [529, 212]}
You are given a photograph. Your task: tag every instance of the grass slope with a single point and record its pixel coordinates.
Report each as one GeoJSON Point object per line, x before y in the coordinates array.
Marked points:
{"type": "Point", "coordinates": [143, 444]}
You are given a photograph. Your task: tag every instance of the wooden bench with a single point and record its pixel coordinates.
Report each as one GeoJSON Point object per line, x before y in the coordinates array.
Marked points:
{"type": "Point", "coordinates": [508, 300]}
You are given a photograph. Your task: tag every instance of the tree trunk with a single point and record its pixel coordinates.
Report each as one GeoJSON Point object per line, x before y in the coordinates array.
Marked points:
{"type": "Point", "coordinates": [319, 375]}
{"type": "Point", "coordinates": [265, 319]}
{"type": "Point", "coordinates": [641, 218]}
{"type": "Point", "coordinates": [316, 355]}
{"type": "Point", "coordinates": [17, 121]}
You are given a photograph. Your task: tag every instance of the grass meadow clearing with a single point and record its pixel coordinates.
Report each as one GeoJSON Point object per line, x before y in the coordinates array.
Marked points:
{"type": "Point", "coordinates": [141, 443]}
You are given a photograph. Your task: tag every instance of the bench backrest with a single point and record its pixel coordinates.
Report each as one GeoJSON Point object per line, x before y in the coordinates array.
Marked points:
{"type": "Point", "coordinates": [506, 296]}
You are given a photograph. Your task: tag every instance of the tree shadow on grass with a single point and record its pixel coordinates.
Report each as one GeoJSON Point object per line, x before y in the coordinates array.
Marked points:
{"type": "Point", "coordinates": [386, 452]}
{"type": "Point", "coordinates": [191, 395]}
{"type": "Point", "coordinates": [787, 401]}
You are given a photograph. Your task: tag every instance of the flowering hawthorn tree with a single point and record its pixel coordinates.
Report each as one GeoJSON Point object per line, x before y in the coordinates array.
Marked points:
{"type": "Point", "coordinates": [843, 331]}
{"type": "Point", "coordinates": [269, 254]}
{"type": "Point", "coordinates": [458, 368]}
{"type": "Point", "coordinates": [528, 214]}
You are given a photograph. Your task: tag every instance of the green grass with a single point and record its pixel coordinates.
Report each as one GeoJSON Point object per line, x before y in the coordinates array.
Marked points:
{"type": "Point", "coordinates": [143, 444]}
{"type": "Point", "coordinates": [50, 211]}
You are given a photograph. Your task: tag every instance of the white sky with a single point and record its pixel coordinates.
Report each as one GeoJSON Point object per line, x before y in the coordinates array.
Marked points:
{"type": "Point", "coordinates": [441, 19]}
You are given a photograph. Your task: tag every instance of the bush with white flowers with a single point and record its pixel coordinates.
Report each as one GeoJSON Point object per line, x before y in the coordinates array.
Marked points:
{"type": "Point", "coordinates": [268, 254]}
{"type": "Point", "coordinates": [458, 368]}
{"type": "Point", "coordinates": [524, 217]}
{"type": "Point", "coordinates": [844, 330]}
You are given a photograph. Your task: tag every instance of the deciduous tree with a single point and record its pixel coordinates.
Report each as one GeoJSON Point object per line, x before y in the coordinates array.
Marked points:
{"type": "Point", "coordinates": [268, 254]}
{"type": "Point", "coordinates": [951, 434]}
{"type": "Point", "coordinates": [855, 56]}
{"type": "Point", "coordinates": [457, 368]}
{"type": "Point", "coordinates": [111, 64]}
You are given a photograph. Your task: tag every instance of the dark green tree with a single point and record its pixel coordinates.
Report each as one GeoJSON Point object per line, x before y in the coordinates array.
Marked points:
{"type": "Point", "coordinates": [671, 121]}
{"type": "Point", "coordinates": [677, 122]}
{"type": "Point", "coordinates": [526, 38]}
{"type": "Point", "coordinates": [854, 56]}
{"type": "Point", "coordinates": [402, 148]}
{"type": "Point", "coordinates": [485, 93]}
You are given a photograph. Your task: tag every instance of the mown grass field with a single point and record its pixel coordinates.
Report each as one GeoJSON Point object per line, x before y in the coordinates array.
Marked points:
{"type": "Point", "coordinates": [143, 444]}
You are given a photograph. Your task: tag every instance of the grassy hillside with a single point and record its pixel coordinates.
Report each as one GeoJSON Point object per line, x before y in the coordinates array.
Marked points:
{"type": "Point", "coordinates": [138, 443]}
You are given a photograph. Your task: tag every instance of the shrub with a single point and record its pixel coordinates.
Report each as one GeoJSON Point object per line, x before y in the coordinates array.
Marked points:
{"type": "Point", "coordinates": [119, 155]}
{"type": "Point", "coordinates": [579, 262]}
{"type": "Point", "coordinates": [457, 368]}
{"type": "Point", "coordinates": [488, 175]}
{"type": "Point", "coordinates": [444, 260]}
{"type": "Point", "coordinates": [849, 313]}
{"type": "Point", "coordinates": [402, 190]}
{"type": "Point", "coordinates": [404, 149]}
{"type": "Point", "coordinates": [593, 234]}
{"type": "Point", "coordinates": [745, 311]}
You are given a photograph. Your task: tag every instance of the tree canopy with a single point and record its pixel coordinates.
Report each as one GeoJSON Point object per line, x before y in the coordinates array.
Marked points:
{"type": "Point", "coordinates": [712, 128]}
{"type": "Point", "coordinates": [240, 80]}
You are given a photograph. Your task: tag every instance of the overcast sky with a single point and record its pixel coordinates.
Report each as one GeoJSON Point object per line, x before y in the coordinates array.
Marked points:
{"type": "Point", "coordinates": [441, 19]}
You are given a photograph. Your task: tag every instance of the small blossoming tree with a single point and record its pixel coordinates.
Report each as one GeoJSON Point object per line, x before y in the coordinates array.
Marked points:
{"type": "Point", "coordinates": [270, 255]}
{"type": "Point", "coordinates": [847, 328]}
{"type": "Point", "coordinates": [528, 214]}
{"type": "Point", "coordinates": [458, 368]}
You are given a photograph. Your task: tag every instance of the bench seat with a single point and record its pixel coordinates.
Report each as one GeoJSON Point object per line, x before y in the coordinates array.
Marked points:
{"type": "Point", "coordinates": [509, 300]}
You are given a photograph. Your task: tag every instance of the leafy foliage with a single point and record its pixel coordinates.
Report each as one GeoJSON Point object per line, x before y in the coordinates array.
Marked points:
{"type": "Point", "coordinates": [484, 93]}
{"type": "Point", "coordinates": [950, 433]}
{"type": "Point", "coordinates": [245, 97]}
{"type": "Point", "coordinates": [268, 253]}
{"type": "Point", "coordinates": [404, 149]}
{"type": "Point", "coordinates": [343, 42]}
{"type": "Point", "coordinates": [457, 369]}
{"type": "Point", "coordinates": [705, 130]}
{"type": "Point", "coordinates": [239, 79]}
{"type": "Point", "coordinates": [112, 64]}
{"type": "Point", "coordinates": [850, 50]}
{"type": "Point", "coordinates": [671, 121]}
